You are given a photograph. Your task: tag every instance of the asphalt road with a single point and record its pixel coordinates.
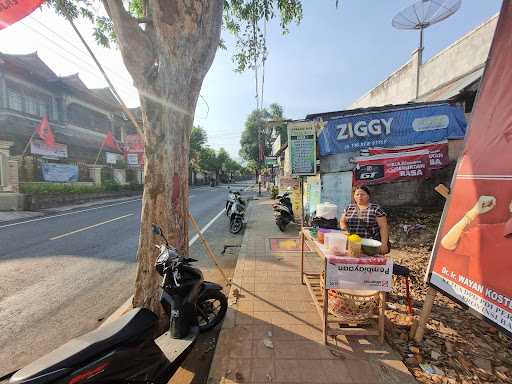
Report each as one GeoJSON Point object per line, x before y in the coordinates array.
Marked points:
{"type": "Point", "coordinates": [61, 274]}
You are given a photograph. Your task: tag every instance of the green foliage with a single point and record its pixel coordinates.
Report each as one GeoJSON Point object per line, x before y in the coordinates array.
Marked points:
{"type": "Point", "coordinates": [72, 9]}
{"type": "Point", "coordinates": [71, 188]}
{"type": "Point", "coordinates": [54, 188]}
{"type": "Point", "coordinates": [242, 18]}
{"type": "Point", "coordinates": [261, 126]}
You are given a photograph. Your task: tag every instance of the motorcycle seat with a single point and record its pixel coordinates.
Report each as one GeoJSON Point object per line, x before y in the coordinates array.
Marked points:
{"type": "Point", "coordinates": [90, 346]}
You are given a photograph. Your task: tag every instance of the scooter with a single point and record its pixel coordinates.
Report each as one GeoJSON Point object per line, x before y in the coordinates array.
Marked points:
{"type": "Point", "coordinates": [283, 211]}
{"type": "Point", "coordinates": [231, 199]}
{"type": "Point", "coordinates": [124, 351]}
{"type": "Point", "coordinates": [236, 213]}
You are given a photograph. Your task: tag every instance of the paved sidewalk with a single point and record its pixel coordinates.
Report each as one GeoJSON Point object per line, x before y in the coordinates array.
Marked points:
{"type": "Point", "coordinates": [272, 332]}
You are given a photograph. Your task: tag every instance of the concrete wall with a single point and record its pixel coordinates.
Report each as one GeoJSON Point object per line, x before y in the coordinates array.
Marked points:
{"type": "Point", "coordinates": [456, 60]}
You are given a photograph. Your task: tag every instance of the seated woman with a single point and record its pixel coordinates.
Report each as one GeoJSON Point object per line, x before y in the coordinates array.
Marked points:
{"type": "Point", "coordinates": [366, 219]}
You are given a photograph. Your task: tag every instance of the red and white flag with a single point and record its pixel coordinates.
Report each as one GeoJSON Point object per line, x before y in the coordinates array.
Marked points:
{"type": "Point", "coordinates": [44, 132]}
{"type": "Point", "coordinates": [110, 142]}
{"type": "Point", "coordinates": [12, 11]}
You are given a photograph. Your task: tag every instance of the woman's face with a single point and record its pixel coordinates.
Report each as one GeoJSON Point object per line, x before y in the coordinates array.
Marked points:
{"type": "Point", "coordinates": [361, 197]}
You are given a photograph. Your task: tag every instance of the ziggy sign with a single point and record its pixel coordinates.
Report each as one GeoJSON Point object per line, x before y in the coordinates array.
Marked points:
{"type": "Point", "coordinates": [394, 127]}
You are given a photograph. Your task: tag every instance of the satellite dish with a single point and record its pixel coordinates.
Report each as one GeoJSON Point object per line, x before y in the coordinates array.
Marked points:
{"type": "Point", "coordinates": [424, 13]}
{"type": "Point", "coordinates": [421, 15]}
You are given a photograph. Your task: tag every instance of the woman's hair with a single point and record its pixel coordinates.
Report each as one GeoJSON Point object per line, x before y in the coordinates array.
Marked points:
{"type": "Point", "coordinates": [362, 188]}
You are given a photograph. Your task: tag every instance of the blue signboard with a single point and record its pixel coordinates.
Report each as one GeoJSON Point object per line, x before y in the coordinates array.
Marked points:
{"type": "Point", "coordinates": [59, 172]}
{"type": "Point", "coordinates": [405, 126]}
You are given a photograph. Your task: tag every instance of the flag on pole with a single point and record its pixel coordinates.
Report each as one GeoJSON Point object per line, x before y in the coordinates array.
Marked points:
{"type": "Point", "coordinates": [44, 132]}
{"type": "Point", "coordinates": [110, 142]}
{"type": "Point", "coordinates": [12, 11]}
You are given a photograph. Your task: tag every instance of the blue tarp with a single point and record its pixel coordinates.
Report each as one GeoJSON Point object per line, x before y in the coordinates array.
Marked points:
{"type": "Point", "coordinates": [405, 126]}
{"type": "Point", "coordinates": [59, 172]}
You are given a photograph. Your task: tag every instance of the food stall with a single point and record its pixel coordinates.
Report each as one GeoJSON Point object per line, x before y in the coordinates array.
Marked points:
{"type": "Point", "coordinates": [349, 289]}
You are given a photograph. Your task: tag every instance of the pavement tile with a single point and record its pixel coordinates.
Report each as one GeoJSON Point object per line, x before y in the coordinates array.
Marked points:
{"type": "Point", "coordinates": [263, 371]}
{"type": "Point", "coordinates": [274, 305]}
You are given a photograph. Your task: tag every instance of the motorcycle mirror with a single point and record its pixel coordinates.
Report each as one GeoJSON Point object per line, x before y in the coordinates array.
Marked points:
{"type": "Point", "coordinates": [156, 229]}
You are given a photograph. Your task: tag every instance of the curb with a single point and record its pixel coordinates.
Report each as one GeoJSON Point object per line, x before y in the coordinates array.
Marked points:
{"type": "Point", "coordinates": [229, 319]}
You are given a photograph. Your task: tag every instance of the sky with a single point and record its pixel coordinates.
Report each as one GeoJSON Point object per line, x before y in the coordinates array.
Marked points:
{"type": "Point", "coordinates": [332, 58]}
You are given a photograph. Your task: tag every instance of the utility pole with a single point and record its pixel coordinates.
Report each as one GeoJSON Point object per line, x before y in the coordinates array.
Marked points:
{"type": "Point", "coordinates": [259, 162]}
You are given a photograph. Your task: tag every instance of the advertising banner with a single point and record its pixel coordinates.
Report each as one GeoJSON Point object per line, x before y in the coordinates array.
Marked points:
{"type": "Point", "coordinates": [60, 173]}
{"type": "Point", "coordinates": [372, 273]}
{"type": "Point", "coordinates": [132, 158]}
{"type": "Point", "coordinates": [112, 158]}
{"type": "Point", "coordinates": [437, 152]}
{"type": "Point", "coordinates": [392, 167]}
{"type": "Point", "coordinates": [39, 147]}
{"type": "Point", "coordinates": [302, 143]}
{"type": "Point", "coordinates": [472, 256]}
{"type": "Point", "coordinates": [396, 127]}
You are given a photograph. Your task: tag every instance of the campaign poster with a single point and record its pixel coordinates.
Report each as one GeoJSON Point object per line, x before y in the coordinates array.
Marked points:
{"type": "Point", "coordinates": [472, 257]}
{"type": "Point", "coordinates": [392, 167]}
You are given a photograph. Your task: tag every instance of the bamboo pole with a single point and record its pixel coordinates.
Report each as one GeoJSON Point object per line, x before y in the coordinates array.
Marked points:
{"type": "Point", "coordinates": [208, 249]}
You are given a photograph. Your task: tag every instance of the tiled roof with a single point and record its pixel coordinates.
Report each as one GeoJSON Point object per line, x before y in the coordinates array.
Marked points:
{"type": "Point", "coordinates": [31, 63]}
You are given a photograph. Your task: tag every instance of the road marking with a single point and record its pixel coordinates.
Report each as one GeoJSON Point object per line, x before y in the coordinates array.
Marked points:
{"type": "Point", "coordinates": [203, 230]}
{"type": "Point", "coordinates": [90, 226]}
{"type": "Point", "coordinates": [66, 214]}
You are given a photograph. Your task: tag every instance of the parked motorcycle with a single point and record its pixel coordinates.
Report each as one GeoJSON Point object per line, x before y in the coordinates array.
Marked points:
{"type": "Point", "coordinates": [231, 199]}
{"type": "Point", "coordinates": [235, 209]}
{"type": "Point", "coordinates": [124, 350]}
{"type": "Point", "coordinates": [283, 211]}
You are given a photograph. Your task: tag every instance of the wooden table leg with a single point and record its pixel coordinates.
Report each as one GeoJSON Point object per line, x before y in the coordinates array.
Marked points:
{"type": "Point", "coordinates": [382, 314]}
{"type": "Point", "coordinates": [302, 258]}
{"type": "Point", "coordinates": [326, 304]}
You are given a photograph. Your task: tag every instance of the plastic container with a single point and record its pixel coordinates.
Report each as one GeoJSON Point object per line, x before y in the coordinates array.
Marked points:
{"type": "Point", "coordinates": [336, 242]}
{"type": "Point", "coordinates": [320, 236]}
{"type": "Point", "coordinates": [327, 210]}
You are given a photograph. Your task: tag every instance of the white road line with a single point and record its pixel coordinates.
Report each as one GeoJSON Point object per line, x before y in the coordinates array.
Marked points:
{"type": "Point", "coordinates": [90, 226]}
{"type": "Point", "coordinates": [203, 230]}
{"type": "Point", "coordinates": [66, 214]}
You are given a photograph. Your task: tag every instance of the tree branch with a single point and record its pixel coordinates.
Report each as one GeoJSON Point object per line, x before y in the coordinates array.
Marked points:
{"type": "Point", "coordinates": [135, 45]}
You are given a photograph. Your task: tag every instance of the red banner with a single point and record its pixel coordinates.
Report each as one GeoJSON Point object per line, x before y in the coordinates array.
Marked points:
{"type": "Point", "coordinates": [438, 152]}
{"type": "Point", "coordinates": [134, 143]}
{"type": "Point", "coordinates": [12, 11]}
{"type": "Point", "coordinates": [392, 167]}
{"type": "Point", "coordinates": [472, 257]}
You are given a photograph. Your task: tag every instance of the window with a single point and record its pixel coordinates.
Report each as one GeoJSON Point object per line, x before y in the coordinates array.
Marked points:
{"type": "Point", "coordinates": [31, 106]}
{"type": "Point", "coordinates": [15, 100]}
{"type": "Point", "coordinates": [43, 110]}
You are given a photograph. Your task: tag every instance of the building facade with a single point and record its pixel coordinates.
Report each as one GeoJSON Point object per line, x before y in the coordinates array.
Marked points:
{"type": "Point", "coordinates": [79, 117]}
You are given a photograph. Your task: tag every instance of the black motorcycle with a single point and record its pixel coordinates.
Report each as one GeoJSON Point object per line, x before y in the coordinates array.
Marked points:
{"type": "Point", "coordinates": [125, 351]}
{"type": "Point", "coordinates": [283, 211]}
{"type": "Point", "coordinates": [236, 212]}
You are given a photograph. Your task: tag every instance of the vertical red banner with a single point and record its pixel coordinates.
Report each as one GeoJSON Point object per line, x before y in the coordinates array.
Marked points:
{"type": "Point", "coordinates": [472, 257]}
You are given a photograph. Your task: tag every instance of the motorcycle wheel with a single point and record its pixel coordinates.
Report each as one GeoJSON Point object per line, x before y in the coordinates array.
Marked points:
{"type": "Point", "coordinates": [236, 225]}
{"type": "Point", "coordinates": [211, 310]}
{"type": "Point", "coordinates": [281, 225]}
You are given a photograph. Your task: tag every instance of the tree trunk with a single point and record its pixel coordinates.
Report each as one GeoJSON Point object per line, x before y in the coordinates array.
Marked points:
{"type": "Point", "coordinates": [168, 61]}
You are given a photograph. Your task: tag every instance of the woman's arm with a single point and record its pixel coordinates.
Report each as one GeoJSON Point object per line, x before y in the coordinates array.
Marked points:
{"type": "Point", "coordinates": [483, 205]}
{"type": "Point", "coordinates": [384, 233]}
{"type": "Point", "coordinates": [343, 223]}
